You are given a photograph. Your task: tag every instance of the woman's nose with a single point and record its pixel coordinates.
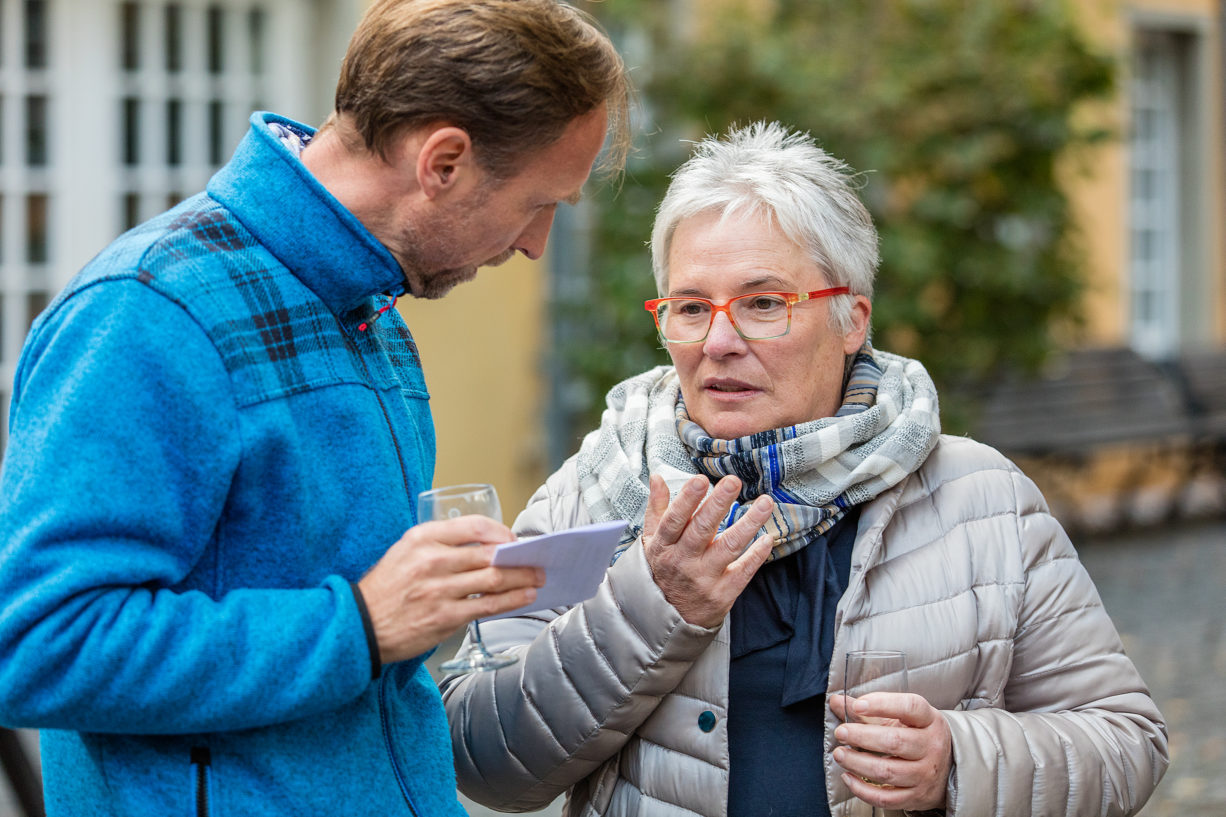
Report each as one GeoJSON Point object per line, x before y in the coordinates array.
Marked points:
{"type": "Point", "coordinates": [722, 337]}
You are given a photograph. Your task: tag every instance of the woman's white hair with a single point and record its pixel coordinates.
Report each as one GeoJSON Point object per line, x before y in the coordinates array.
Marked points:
{"type": "Point", "coordinates": [768, 171]}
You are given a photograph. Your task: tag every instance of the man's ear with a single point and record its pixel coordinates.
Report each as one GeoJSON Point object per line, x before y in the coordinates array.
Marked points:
{"type": "Point", "coordinates": [445, 156]}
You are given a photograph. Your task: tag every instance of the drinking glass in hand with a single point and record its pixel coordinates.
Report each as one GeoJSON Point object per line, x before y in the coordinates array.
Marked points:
{"type": "Point", "coordinates": [868, 671]}
{"type": "Point", "coordinates": [451, 503]}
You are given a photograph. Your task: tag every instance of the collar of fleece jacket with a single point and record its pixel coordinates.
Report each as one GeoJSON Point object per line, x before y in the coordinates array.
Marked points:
{"type": "Point", "coordinates": [287, 203]}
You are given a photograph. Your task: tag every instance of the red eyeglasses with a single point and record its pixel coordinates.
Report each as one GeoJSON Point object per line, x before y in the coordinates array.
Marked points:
{"type": "Point", "coordinates": [754, 316]}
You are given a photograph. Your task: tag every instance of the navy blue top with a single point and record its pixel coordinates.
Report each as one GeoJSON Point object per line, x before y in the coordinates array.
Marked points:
{"type": "Point", "coordinates": [782, 632]}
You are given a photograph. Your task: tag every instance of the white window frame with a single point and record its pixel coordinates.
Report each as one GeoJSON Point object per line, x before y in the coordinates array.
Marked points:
{"type": "Point", "coordinates": [1154, 205]}
{"type": "Point", "coordinates": [1183, 209]}
{"type": "Point", "coordinates": [85, 178]}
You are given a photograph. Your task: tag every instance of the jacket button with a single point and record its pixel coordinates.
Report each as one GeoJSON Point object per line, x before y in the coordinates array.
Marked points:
{"type": "Point", "coordinates": [706, 721]}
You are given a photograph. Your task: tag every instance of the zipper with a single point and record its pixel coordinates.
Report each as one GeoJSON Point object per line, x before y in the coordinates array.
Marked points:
{"type": "Point", "coordinates": [384, 726]}
{"type": "Point", "coordinates": [387, 419]}
{"type": "Point", "coordinates": [201, 772]}
{"type": "Point", "coordinates": [387, 742]}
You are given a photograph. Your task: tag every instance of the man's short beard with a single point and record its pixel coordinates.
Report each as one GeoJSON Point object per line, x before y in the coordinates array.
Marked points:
{"type": "Point", "coordinates": [439, 283]}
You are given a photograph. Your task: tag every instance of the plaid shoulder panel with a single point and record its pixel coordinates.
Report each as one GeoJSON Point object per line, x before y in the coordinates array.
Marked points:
{"type": "Point", "coordinates": [273, 333]}
{"type": "Point", "coordinates": [389, 340]}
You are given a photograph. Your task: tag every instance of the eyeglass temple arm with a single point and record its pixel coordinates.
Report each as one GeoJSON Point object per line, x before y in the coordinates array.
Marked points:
{"type": "Point", "coordinates": [823, 293]}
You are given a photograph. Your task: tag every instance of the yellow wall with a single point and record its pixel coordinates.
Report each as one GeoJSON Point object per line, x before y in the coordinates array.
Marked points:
{"type": "Point", "coordinates": [480, 348]}
{"type": "Point", "coordinates": [1097, 181]}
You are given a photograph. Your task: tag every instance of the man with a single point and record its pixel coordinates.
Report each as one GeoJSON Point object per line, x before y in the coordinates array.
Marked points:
{"type": "Point", "coordinates": [220, 426]}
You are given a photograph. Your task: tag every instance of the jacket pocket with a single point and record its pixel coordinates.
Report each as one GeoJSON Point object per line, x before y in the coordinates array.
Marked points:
{"type": "Point", "coordinates": [202, 773]}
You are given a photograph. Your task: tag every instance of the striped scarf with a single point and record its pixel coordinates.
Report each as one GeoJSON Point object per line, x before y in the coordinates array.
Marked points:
{"type": "Point", "coordinates": [815, 471]}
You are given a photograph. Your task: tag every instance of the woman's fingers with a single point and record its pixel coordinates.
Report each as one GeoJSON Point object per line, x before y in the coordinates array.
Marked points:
{"type": "Point", "coordinates": [676, 519]}
{"type": "Point", "coordinates": [694, 521]}
{"type": "Point", "coordinates": [657, 504]}
{"type": "Point", "coordinates": [736, 538]}
{"type": "Point", "coordinates": [704, 524]}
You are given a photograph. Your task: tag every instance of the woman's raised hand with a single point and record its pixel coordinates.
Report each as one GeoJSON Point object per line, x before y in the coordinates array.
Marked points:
{"type": "Point", "coordinates": [699, 573]}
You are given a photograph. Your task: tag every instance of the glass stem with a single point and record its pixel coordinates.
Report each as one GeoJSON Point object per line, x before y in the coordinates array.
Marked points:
{"type": "Point", "coordinates": [477, 642]}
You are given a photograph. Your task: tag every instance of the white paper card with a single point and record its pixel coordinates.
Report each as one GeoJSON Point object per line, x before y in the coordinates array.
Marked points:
{"type": "Point", "coordinates": [575, 562]}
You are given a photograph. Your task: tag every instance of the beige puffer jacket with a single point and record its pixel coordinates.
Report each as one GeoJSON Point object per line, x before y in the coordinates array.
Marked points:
{"type": "Point", "coordinates": [961, 566]}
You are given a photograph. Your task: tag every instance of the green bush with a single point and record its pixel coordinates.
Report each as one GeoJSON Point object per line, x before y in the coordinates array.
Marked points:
{"type": "Point", "coordinates": [959, 116]}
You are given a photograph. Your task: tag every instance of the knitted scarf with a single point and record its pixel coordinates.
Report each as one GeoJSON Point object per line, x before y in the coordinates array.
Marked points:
{"type": "Point", "coordinates": [815, 471]}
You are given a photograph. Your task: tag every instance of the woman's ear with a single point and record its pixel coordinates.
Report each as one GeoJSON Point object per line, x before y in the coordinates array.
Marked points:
{"type": "Point", "coordinates": [861, 313]}
{"type": "Point", "coordinates": [445, 156]}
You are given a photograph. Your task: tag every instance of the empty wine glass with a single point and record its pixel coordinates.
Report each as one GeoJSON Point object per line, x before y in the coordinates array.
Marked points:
{"type": "Point", "coordinates": [868, 671]}
{"type": "Point", "coordinates": [451, 503]}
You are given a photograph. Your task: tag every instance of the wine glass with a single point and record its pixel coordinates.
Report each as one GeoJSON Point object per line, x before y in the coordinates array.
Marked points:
{"type": "Point", "coordinates": [450, 503]}
{"type": "Point", "coordinates": [868, 671]}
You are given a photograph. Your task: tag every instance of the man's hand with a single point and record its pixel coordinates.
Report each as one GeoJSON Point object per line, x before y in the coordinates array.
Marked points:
{"type": "Point", "coordinates": [702, 574]}
{"type": "Point", "coordinates": [915, 750]}
{"type": "Point", "coordinates": [427, 584]}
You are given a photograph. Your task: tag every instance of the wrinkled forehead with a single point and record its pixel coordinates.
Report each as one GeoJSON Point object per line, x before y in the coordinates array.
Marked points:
{"type": "Point", "coordinates": [741, 251]}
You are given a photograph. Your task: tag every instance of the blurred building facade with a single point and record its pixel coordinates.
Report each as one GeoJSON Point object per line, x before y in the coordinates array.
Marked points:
{"type": "Point", "coordinates": [1155, 205]}
{"type": "Point", "coordinates": [112, 110]}
{"type": "Point", "coordinates": [1128, 425]}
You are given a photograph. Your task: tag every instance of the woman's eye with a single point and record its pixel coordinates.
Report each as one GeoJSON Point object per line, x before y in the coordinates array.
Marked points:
{"type": "Point", "coordinates": [691, 308]}
{"type": "Point", "coordinates": [766, 303]}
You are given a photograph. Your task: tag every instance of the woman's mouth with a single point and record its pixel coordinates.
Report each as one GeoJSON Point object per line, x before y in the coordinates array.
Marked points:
{"type": "Point", "coordinates": [725, 386]}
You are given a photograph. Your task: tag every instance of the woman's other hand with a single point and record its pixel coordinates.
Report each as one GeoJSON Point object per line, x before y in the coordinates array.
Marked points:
{"type": "Point", "coordinates": [912, 745]}
{"type": "Point", "coordinates": [701, 574]}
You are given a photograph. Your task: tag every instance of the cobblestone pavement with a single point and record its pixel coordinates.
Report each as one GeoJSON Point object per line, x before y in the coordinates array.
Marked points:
{"type": "Point", "coordinates": [1166, 591]}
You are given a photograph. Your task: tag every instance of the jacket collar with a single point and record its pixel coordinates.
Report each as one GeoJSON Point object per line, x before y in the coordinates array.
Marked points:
{"type": "Point", "coordinates": [271, 192]}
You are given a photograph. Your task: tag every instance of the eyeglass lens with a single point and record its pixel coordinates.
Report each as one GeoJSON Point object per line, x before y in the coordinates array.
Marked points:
{"type": "Point", "coordinates": [756, 316]}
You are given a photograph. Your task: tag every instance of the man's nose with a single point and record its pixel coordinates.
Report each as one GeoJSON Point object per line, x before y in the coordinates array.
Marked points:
{"type": "Point", "coordinates": [532, 240]}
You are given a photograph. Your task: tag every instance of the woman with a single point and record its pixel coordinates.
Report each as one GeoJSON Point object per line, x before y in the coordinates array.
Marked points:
{"type": "Point", "coordinates": [696, 681]}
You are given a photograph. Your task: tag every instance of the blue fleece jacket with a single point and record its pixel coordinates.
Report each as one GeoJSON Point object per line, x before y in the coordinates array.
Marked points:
{"type": "Point", "coordinates": [204, 453]}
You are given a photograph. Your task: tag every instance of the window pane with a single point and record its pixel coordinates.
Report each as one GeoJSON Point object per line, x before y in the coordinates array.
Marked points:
{"type": "Point", "coordinates": [130, 138]}
{"type": "Point", "coordinates": [256, 30]}
{"type": "Point", "coordinates": [216, 120]}
{"type": "Point", "coordinates": [129, 34]}
{"type": "Point", "coordinates": [36, 228]}
{"type": "Point", "coordinates": [1, 128]}
{"type": "Point", "coordinates": [174, 38]}
{"type": "Point", "coordinates": [36, 302]}
{"type": "Point", "coordinates": [174, 132]}
{"type": "Point", "coordinates": [1, 238]}
{"type": "Point", "coordinates": [172, 199]}
{"type": "Point", "coordinates": [36, 34]}
{"type": "Point", "coordinates": [1144, 183]}
{"type": "Point", "coordinates": [36, 131]}
{"type": "Point", "coordinates": [215, 42]}
{"type": "Point", "coordinates": [131, 210]}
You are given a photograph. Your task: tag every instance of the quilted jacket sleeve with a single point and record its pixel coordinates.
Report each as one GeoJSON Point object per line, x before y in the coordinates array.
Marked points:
{"type": "Point", "coordinates": [586, 678]}
{"type": "Point", "coordinates": [1078, 733]}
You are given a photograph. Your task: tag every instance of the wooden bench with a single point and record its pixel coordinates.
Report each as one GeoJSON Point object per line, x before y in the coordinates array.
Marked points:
{"type": "Point", "coordinates": [1201, 374]}
{"type": "Point", "coordinates": [1085, 400]}
{"type": "Point", "coordinates": [1108, 436]}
